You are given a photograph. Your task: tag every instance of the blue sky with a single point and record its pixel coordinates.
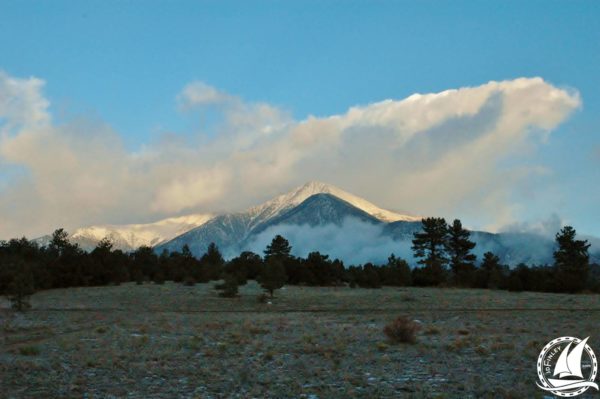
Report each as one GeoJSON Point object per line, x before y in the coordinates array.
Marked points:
{"type": "Point", "coordinates": [124, 63]}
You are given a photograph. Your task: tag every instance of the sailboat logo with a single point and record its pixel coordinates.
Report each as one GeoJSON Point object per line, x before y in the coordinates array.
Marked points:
{"type": "Point", "coordinates": [567, 367]}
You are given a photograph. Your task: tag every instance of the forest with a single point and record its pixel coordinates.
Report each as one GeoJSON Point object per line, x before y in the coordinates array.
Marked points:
{"type": "Point", "coordinates": [444, 254]}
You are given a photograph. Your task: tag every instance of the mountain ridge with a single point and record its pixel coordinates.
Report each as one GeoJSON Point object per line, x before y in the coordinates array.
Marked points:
{"type": "Point", "coordinates": [316, 209]}
{"type": "Point", "coordinates": [131, 236]}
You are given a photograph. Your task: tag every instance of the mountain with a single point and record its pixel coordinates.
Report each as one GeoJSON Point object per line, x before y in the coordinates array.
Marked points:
{"type": "Point", "coordinates": [128, 237]}
{"type": "Point", "coordinates": [313, 217]}
{"type": "Point", "coordinates": [319, 217]}
{"type": "Point", "coordinates": [284, 202]}
{"type": "Point", "coordinates": [231, 231]}
{"type": "Point", "coordinates": [318, 210]}
{"type": "Point", "coordinates": [297, 196]}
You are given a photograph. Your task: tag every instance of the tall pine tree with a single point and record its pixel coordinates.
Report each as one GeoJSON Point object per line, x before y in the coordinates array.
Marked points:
{"type": "Point", "coordinates": [489, 274]}
{"type": "Point", "coordinates": [211, 263]}
{"type": "Point", "coordinates": [273, 275]}
{"type": "Point", "coordinates": [279, 247]}
{"type": "Point", "coordinates": [571, 260]}
{"type": "Point", "coordinates": [462, 261]}
{"type": "Point", "coordinates": [429, 246]}
{"type": "Point", "coordinates": [277, 255]}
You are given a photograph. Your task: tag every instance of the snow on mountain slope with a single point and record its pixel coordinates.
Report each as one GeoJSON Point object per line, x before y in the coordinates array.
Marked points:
{"type": "Point", "coordinates": [228, 231]}
{"type": "Point", "coordinates": [228, 228]}
{"type": "Point", "coordinates": [132, 236]}
{"type": "Point", "coordinates": [295, 197]}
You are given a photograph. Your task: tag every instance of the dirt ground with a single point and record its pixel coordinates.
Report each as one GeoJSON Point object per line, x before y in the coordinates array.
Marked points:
{"type": "Point", "coordinates": [173, 341]}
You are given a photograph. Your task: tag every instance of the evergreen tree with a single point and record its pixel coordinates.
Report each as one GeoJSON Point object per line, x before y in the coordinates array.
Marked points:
{"type": "Point", "coordinates": [186, 252]}
{"type": "Point", "coordinates": [211, 263]}
{"type": "Point", "coordinates": [186, 267]}
{"type": "Point", "coordinates": [429, 246]}
{"type": "Point", "coordinates": [145, 264]}
{"type": "Point", "coordinates": [66, 261]}
{"type": "Point", "coordinates": [103, 268]}
{"type": "Point", "coordinates": [229, 288]}
{"type": "Point", "coordinates": [489, 274]}
{"type": "Point", "coordinates": [318, 269]}
{"type": "Point", "coordinates": [369, 278]}
{"type": "Point", "coordinates": [279, 247]}
{"type": "Point", "coordinates": [397, 272]}
{"type": "Point", "coordinates": [212, 256]}
{"type": "Point", "coordinates": [571, 261]}
{"type": "Point", "coordinates": [59, 242]}
{"type": "Point", "coordinates": [21, 286]}
{"type": "Point", "coordinates": [462, 261]}
{"type": "Point", "coordinates": [273, 275]}
{"type": "Point", "coordinates": [246, 266]}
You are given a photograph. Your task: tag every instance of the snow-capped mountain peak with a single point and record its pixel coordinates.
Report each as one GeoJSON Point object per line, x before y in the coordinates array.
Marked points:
{"type": "Point", "coordinates": [298, 195]}
{"type": "Point", "coordinates": [233, 226]}
{"type": "Point", "coordinates": [131, 236]}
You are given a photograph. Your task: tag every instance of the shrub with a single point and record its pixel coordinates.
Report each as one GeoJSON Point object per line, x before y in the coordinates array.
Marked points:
{"type": "Point", "coordinates": [159, 278]}
{"type": "Point", "coordinates": [432, 330]}
{"type": "Point", "coordinates": [402, 329]}
{"type": "Point", "coordinates": [382, 346]}
{"type": "Point", "coordinates": [229, 288]}
{"type": "Point", "coordinates": [189, 281]}
{"type": "Point", "coordinates": [407, 298]}
{"type": "Point", "coordinates": [29, 350]}
{"type": "Point", "coordinates": [263, 298]}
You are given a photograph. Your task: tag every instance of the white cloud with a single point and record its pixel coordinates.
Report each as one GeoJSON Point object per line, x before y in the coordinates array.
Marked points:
{"type": "Point", "coordinates": [450, 153]}
{"type": "Point", "coordinates": [21, 102]}
{"type": "Point", "coordinates": [353, 241]}
{"type": "Point", "coordinates": [201, 94]}
{"type": "Point", "coordinates": [547, 227]}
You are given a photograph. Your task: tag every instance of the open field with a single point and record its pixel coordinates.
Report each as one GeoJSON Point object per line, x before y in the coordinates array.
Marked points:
{"type": "Point", "coordinates": [174, 341]}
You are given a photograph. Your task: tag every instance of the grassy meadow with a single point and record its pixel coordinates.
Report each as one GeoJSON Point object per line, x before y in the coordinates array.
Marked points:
{"type": "Point", "coordinates": [175, 341]}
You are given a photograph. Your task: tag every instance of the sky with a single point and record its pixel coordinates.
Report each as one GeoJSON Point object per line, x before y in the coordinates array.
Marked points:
{"type": "Point", "coordinates": [129, 112]}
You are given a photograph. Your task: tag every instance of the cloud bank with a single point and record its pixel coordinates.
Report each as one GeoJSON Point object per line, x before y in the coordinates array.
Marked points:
{"type": "Point", "coordinates": [354, 241]}
{"type": "Point", "coordinates": [450, 153]}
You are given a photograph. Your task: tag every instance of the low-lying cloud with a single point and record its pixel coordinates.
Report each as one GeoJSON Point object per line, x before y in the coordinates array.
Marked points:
{"type": "Point", "coordinates": [451, 153]}
{"type": "Point", "coordinates": [353, 241]}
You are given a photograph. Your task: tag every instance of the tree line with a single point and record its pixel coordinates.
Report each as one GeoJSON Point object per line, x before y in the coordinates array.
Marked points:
{"type": "Point", "coordinates": [444, 254]}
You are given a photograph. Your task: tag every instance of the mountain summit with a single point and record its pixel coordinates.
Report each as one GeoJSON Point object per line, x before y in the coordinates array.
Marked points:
{"type": "Point", "coordinates": [298, 195]}
{"type": "Point", "coordinates": [231, 230]}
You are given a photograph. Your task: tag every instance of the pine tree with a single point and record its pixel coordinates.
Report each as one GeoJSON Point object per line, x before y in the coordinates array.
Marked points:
{"type": "Point", "coordinates": [59, 242]}
{"type": "Point", "coordinates": [369, 277]}
{"type": "Point", "coordinates": [462, 261]}
{"type": "Point", "coordinates": [103, 267]}
{"type": "Point", "coordinates": [21, 286]}
{"type": "Point", "coordinates": [187, 267]}
{"type": "Point", "coordinates": [247, 266]}
{"type": "Point", "coordinates": [229, 287]}
{"type": "Point", "coordinates": [571, 261]}
{"type": "Point", "coordinates": [213, 255]}
{"type": "Point", "coordinates": [279, 247]}
{"type": "Point", "coordinates": [211, 263]}
{"type": "Point", "coordinates": [145, 263]}
{"type": "Point", "coordinates": [429, 246]}
{"type": "Point", "coordinates": [396, 272]}
{"type": "Point", "coordinates": [273, 275]}
{"type": "Point", "coordinates": [489, 274]}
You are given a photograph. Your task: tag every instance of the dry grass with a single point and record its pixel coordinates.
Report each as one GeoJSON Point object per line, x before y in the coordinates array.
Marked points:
{"type": "Point", "coordinates": [172, 340]}
{"type": "Point", "coordinates": [402, 330]}
{"type": "Point", "coordinates": [29, 350]}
